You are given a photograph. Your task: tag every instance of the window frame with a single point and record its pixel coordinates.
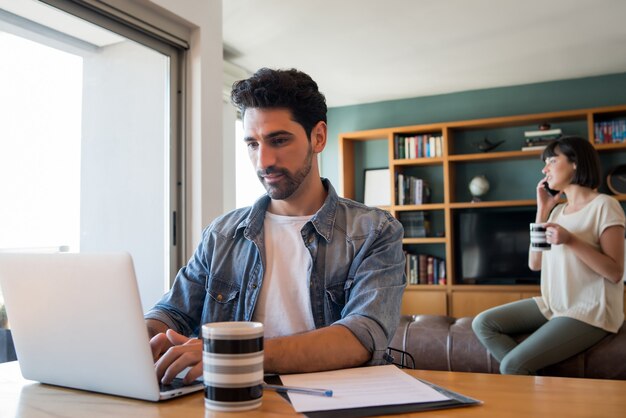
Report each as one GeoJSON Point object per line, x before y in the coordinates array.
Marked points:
{"type": "Point", "coordinates": [175, 47]}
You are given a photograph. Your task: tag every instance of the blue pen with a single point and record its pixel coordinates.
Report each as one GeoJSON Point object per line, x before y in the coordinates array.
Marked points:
{"type": "Point", "coordinates": [295, 389]}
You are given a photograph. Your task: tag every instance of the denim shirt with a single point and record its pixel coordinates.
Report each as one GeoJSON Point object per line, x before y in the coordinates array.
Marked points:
{"type": "Point", "coordinates": [356, 279]}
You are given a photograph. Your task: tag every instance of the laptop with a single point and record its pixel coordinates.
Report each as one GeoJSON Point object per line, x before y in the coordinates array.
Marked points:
{"type": "Point", "coordinates": [76, 321]}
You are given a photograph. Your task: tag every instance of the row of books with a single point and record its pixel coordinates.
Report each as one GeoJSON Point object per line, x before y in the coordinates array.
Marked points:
{"type": "Point", "coordinates": [411, 190]}
{"type": "Point", "coordinates": [425, 269]}
{"type": "Point", "coordinates": [416, 224]}
{"type": "Point", "coordinates": [417, 146]}
{"type": "Point", "coordinates": [539, 139]}
{"type": "Point", "coordinates": [610, 132]}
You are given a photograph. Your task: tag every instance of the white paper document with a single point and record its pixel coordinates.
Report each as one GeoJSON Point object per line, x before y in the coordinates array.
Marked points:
{"type": "Point", "coordinates": [360, 387]}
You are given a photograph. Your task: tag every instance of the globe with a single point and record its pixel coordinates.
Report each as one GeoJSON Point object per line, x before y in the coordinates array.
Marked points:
{"type": "Point", "coordinates": [478, 186]}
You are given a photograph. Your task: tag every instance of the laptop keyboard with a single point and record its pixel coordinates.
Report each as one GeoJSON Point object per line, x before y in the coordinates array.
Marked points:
{"type": "Point", "coordinates": [177, 383]}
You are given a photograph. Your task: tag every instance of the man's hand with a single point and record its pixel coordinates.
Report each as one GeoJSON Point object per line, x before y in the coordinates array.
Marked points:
{"type": "Point", "coordinates": [159, 345]}
{"type": "Point", "coordinates": [173, 353]}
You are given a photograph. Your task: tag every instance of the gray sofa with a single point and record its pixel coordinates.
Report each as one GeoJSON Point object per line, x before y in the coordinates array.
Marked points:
{"type": "Point", "coordinates": [444, 343]}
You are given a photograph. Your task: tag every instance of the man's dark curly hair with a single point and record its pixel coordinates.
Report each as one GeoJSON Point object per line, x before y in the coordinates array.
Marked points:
{"type": "Point", "coordinates": [282, 89]}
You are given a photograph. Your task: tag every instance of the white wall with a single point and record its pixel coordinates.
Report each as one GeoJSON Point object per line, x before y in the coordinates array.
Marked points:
{"type": "Point", "coordinates": [228, 156]}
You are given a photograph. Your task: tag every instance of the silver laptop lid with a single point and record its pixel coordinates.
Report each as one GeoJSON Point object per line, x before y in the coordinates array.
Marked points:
{"type": "Point", "coordinates": [76, 321]}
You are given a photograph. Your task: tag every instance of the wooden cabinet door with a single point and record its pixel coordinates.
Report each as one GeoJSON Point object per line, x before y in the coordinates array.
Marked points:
{"type": "Point", "coordinates": [416, 302]}
{"type": "Point", "coordinates": [473, 303]}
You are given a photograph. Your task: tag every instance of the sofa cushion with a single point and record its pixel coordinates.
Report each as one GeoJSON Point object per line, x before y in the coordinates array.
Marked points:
{"type": "Point", "coordinates": [439, 342]}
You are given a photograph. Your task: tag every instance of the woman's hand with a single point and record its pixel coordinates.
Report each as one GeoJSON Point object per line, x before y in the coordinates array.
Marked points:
{"type": "Point", "coordinates": [545, 201]}
{"type": "Point", "coordinates": [608, 261]}
{"type": "Point", "coordinates": [556, 234]}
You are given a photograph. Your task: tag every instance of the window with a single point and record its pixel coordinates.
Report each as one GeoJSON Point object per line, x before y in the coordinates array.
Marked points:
{"type": "Point", "coordinates": [89, 139]}
{"type": "Point", "coordinates": [40, 146]}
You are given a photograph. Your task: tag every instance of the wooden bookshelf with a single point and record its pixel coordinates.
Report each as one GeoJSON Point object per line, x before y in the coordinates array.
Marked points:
{"type": "Point", "coordinates": [458, 157]}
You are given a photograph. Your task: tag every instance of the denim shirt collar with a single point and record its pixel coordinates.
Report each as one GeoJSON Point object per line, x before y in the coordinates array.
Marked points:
{"type": "Point", "coordinates": [323, 221]}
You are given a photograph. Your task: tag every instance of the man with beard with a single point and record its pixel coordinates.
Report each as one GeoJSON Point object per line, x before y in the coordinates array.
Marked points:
{"type": "Point", "coordinates": [325, 275]}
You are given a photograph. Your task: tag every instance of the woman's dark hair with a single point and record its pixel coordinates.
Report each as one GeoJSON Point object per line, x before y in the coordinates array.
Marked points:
{"type": "Point", "coordinates": [580, 152]}
{"type": "Point", "coordinates": [287, 89]}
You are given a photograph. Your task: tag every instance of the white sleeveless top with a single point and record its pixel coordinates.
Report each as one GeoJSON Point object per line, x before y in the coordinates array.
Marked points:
{"type": "Point", "coordinates": [284, 304]}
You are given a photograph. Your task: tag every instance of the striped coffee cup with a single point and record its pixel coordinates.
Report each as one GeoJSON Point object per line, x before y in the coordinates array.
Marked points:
{"type": "Point", "coordinates": [233, 365]}
{"type": "Point", "coordinates": [538, 239]}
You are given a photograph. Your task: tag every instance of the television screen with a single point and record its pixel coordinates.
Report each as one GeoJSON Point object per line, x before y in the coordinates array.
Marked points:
{"type": "Point", "coordinates": [492, 246]}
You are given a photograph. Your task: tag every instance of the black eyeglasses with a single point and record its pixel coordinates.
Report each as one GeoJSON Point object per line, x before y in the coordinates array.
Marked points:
{"type": "Point", "coordinates": [399, 358]}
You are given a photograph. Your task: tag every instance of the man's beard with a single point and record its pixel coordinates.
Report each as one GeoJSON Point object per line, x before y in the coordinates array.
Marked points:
{"type": "Point", "coordinates": [290, 182]}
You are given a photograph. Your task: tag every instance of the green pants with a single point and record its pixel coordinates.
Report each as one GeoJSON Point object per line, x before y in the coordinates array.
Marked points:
{"type": "Point", "coordinates": [550, 341]}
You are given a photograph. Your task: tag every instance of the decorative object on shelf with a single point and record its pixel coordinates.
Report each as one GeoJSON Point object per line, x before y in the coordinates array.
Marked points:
{"type": "Point", "coordinates": [377, 192]}
{"type": "Point", "coordinates": [539, 139]}
{"type": "Point", "coordinates": [478, 186]}
{"type": "Point", "coordinates": [616, 179]}
{"type": "Point", "coordinates": [544, 126]}
{"type": "Point", "coordinates": [486, 145]}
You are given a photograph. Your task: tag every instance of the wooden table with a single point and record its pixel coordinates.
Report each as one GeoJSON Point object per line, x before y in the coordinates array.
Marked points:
{"type": "Point", "coordinates": [503, 396]}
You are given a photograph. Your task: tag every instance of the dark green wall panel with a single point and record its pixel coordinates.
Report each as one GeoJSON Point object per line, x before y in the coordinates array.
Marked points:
{"type": "Point", "coordinates": [505, 101]}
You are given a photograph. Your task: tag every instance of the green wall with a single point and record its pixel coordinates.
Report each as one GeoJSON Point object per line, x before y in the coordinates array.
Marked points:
{"type": "Point", "coordinates": [505, 101]}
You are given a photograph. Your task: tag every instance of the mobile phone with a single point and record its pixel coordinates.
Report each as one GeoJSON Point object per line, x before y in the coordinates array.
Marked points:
{"type": "Point", "coordinates": [551, 191]}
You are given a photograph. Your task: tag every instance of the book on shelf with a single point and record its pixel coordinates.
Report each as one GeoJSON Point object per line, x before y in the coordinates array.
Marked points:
{"type": "Point", "coordinates": [537, 143]}
{"type": "Point", "coordinates": [533, 147]}
{"type": "Point", "coordinates": [540, 140]}
{"type": "Point", "coordinates": [424, 269]}
{"type": "Point", "coordinates": [410, 267]}
{"type": "Point", "coordinates": [430, 270]}
{"type": "Point", "coordinates": [442, 271]}
{"type": "Point", "coordinates": [417, 146]}
{"type": "Point", "coordinates": [610, 132]}
{"type": "Point", "coordinates": [543, 133]}
{"type": "Point", "coordinates": [415, 223]}
{"type": "Point", "coordinates": [411, 190]}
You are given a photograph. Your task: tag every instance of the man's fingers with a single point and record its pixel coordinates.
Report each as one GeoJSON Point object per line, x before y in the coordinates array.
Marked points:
{"type": "Point", "coordinates": [173, 353]}
{"type": "Point", "coordinates": [175, 338]}
{"type": "Point", "coordinates": [159, 344]}
{"type": "Point", "coordinates": [194, 373]}
{"type": "Point", "coordinates": [177, 359]}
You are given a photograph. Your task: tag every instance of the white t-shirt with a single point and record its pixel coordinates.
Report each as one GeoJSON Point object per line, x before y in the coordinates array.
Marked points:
{"type": "Point", "coordinates": [284, 304]}
{"type": "Point", "coordinates": [568, 286]}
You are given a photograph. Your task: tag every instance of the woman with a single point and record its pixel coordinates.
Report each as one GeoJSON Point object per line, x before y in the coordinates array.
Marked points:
{"type": "Point", "coordinates": [581, 276]}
